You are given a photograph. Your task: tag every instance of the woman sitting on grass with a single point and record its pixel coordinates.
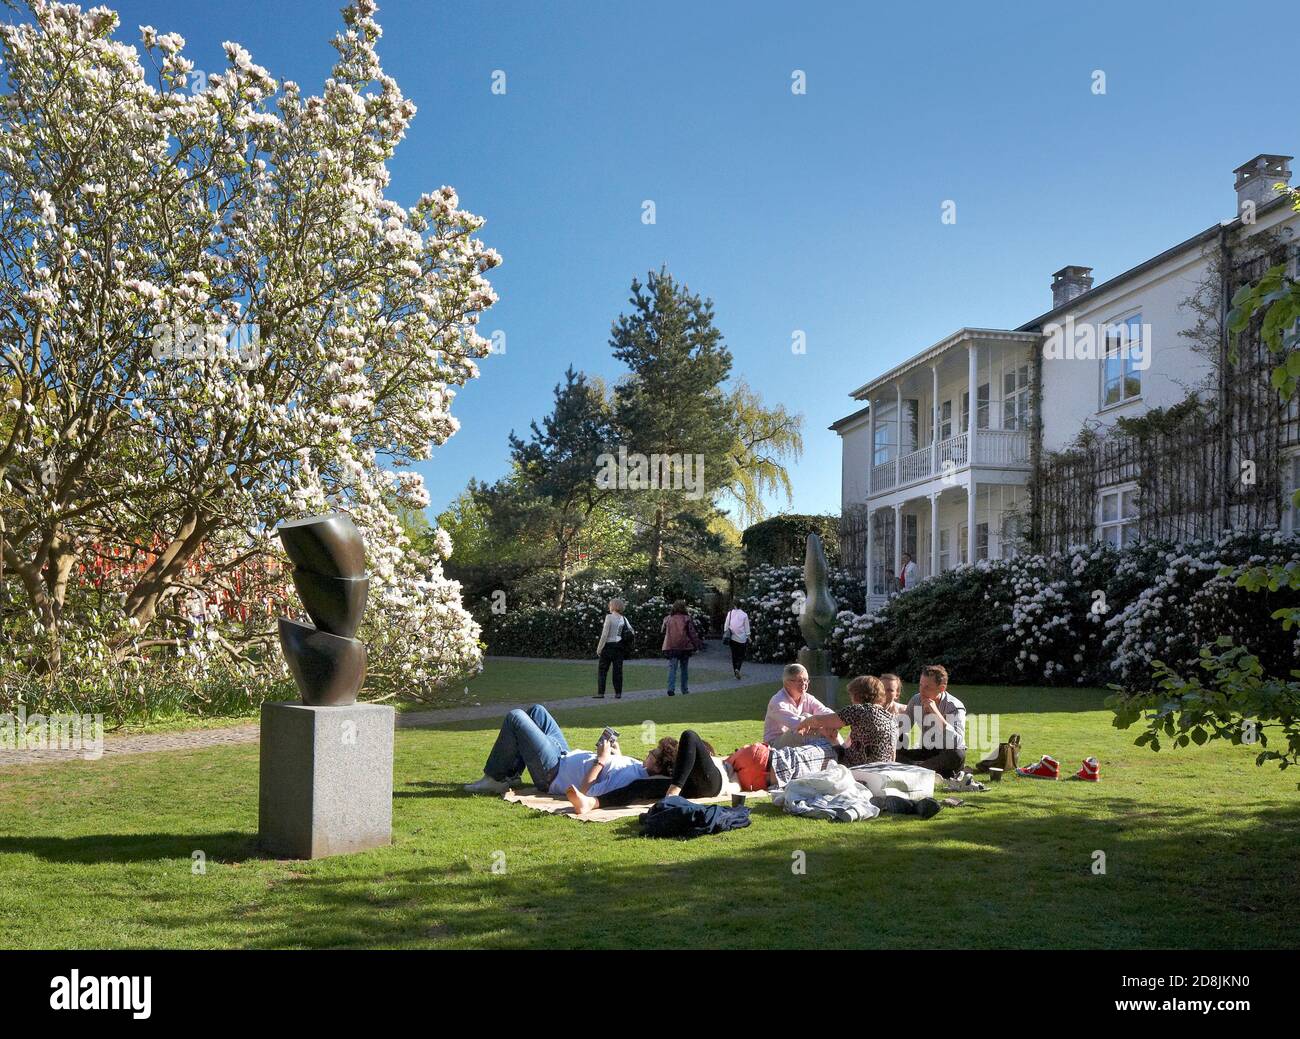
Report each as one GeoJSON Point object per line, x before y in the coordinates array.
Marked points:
{"type": "Point", "coordinates": [688, 766]}
{"type": "Point", "coordinates": [871, 723]}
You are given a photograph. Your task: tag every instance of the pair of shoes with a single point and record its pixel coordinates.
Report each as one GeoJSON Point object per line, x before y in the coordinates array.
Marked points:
{"type": "Point", "coordinates": [671, 693]}
{"type": "Point", "coordinates": [963, 782]}
{"type": "Point", "coordinates": [618, 696]}
{"type": "Point", "coordinates": [1050, 768]}
{"type": "Point", "coordinates": [488, 785]}
{"type": "Point", "coordinates": [598, 696]}
{"type": "Point", "coordinates": [1006, 757]}
{"type": "Point", "coordinates": [736, 672]}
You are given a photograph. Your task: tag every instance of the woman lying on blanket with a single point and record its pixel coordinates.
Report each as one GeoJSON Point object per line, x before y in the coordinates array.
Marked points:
{"type": "Point", "coordinates": [532, 739]}
{"type": "Point", "coordinates": [687, 765]}
{"type": "Point", "coordinates": [760, 767]}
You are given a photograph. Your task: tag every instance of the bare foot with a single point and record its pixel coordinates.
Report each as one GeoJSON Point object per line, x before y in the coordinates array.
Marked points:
{"type": "Point", "coordinates": [582, 804]}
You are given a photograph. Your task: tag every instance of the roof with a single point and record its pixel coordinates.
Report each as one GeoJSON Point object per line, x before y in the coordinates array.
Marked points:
{"type": "Point", "coordinates": [1208, 235]}
{"type": "Point", "coordinates": [974, 334]}
{"type": "Point", "coordinates": [848, 420]}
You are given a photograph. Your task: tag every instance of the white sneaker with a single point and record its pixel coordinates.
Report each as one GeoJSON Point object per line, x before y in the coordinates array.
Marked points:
{"type": "Point", "coordinates": [488, 785]}
{"type": "Point", "coordinates": [964, 782]}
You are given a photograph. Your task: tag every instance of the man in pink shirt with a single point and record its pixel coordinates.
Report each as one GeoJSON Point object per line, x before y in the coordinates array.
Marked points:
{"type": "Point", "coordinates": [789, 707]}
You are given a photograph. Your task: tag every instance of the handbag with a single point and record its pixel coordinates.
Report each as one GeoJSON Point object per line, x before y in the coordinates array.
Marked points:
{"type": "Point", "coordinates": [726, 631]}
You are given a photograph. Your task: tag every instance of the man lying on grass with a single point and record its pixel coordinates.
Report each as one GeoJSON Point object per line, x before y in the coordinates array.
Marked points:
{"type": "Point", "coordinates": [532, 739]}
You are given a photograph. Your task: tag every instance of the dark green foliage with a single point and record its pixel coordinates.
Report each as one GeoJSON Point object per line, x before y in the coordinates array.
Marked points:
{"type": "Point", "coordinates": [781, 540]}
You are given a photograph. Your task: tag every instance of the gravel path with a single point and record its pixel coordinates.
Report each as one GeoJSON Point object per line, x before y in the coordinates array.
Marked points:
{"type": "Point", "coordinates": [248, 732]}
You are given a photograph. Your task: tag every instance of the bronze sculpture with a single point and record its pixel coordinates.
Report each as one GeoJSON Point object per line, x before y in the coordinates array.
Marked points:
{"type": "Point", "coordinates": [326, 661]}
{"type": "Point", "coordinates": [816, 620]}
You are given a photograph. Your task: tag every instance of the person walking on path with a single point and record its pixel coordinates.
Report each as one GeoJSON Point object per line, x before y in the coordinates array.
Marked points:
{"type": "Point", "coordinates": [681, 639]}
{"type": "Point", "coordinates": [735, 633]}
{"type": "Point", "coordinates": [615, 637]}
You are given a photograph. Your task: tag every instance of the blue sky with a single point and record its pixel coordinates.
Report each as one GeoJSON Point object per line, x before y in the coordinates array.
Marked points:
{"type": "Point", "coordinates": [819, 212]}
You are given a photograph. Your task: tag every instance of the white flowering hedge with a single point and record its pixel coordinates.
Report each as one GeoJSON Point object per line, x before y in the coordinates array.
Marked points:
{"type": "Point", "coordinates": [773, 597]}
{"type": "Point", "coordinates": [1093, 615]}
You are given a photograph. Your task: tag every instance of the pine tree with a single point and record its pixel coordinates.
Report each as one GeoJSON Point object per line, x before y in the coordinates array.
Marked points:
{"type": "Point", "coordinates": [672, 403]}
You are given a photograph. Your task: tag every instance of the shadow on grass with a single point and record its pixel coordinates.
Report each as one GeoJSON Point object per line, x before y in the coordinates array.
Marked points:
{"type": "Point", "coordinates": [976, 880]}
{"type": "Point", "coordinates": [225, 846]}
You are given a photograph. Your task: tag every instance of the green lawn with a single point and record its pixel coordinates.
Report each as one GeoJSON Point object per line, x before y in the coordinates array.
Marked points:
{"type": "Point", "coordinates": [1200, 851]}
{"type": "Point", "coordinates": [515, 681]}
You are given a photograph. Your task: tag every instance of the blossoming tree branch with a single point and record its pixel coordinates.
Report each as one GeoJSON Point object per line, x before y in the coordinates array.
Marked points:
{"type": "Point", "coordinates": [136, 210]}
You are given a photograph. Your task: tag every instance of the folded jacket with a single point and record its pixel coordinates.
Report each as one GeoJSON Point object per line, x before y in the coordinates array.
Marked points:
{"type": "Point", "coordinates": [677, 817]}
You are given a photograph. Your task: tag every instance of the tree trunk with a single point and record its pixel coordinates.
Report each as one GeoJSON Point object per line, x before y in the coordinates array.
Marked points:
{"type": "Point", "coordinates": [562, 581]}
{"type": "Point", "coordinates": [656, 546]}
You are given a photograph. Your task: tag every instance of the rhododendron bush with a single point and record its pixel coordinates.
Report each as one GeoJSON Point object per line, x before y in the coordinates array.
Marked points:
{"type": "Point", "coordinates": [1093, 615]}
{"type": "Point", "coordinates": [572, 630]}
{"type": "Point", "coordinates": [773, 597]}
{"type": "Point", "coordinates": [212, 319]}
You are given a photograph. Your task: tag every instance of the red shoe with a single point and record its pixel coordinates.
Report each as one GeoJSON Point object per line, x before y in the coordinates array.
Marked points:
{"type": "Point", "coordinates": [1047, 768]}
{"type": "Point", "coordinates": [1091, 771]}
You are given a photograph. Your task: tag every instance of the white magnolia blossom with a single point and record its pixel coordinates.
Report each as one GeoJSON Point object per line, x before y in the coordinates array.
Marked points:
{"type": "Point", "coordinates": [139, 212]}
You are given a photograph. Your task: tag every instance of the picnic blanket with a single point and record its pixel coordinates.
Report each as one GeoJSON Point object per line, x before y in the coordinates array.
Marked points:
{"type": "Point", "coordinates": [551, 805]}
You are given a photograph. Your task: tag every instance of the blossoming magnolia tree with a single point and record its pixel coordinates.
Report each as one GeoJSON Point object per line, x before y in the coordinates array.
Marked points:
{"type": "Point", "coordinates": [141, 220]}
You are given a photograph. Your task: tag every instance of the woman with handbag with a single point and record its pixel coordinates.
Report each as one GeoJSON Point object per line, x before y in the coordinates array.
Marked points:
{"type": "Point", "coordinates": [681, 639]}
{"type": "Point", "coordinates": [615, 638]}
{"type": "Point", "coordinates": [735, 633]}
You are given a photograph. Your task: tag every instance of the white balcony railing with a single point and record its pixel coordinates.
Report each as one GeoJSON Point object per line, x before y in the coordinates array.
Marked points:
{"type": "Point", "coordinates": [1001, 447]}
{"type": "Point", "coordinates": [884, 476]}
{"type": "Point", "coordinates": [995, 447]}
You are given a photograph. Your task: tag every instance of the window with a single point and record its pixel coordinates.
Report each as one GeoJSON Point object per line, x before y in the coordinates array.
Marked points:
{"type": "Point", "coordinates": [1118, 510]}
{"type": "Point", "coordinates": [909, 534]}
{"type": "Point", "coordinates": [981, 408]}
{"type": "Point", "coordinates": [945, 420]}
{"type": "Point", "coordinates": [1121, 380]}
{"type": "Point", "coordinates": [1015, 398]}
{"type": "Point", "coordinates": [945, 549]}
{"type": "Point", "coordinates": [880, 451]}
{"type": "Point", "coordinates": [981, 541]}
{"type": "Point", "coordinates": [912, 411]}
{"type": "Point", "coordinates": [961, 543]}
{"type": "Point", "coordinates": [1011, 528]}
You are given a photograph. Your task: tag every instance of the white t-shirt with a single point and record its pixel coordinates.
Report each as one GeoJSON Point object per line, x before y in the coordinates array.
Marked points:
{"type": "Point", "coordinates": [618, 772]}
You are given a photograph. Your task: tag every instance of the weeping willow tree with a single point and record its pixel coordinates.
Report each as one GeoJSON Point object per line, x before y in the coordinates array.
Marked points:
{"type": "Point", "coordinates": [766, 438]}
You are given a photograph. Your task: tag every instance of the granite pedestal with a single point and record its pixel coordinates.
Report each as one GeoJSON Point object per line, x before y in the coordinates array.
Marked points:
{"type": "Point", "coordinates": [326, 782]}
{"type": "Point", "coordinates": [821, 683]}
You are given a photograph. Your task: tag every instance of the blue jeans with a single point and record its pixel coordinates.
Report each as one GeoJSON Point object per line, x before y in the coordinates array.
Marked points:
{"type": "Point", "coordinates": [529, 738]}
{"type": "Point", "coordinates": [673, 663]}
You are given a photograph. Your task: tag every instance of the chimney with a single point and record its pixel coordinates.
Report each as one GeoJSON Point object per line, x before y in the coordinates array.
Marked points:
{"type": "Point", "coordinates": [1069, 282]}
{"type": "Point", "coordinates": [1256, 178]}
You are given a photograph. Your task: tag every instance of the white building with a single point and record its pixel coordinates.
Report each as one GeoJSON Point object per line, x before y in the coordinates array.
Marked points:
{"type": "Point", "coordinates": [922, 468]}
